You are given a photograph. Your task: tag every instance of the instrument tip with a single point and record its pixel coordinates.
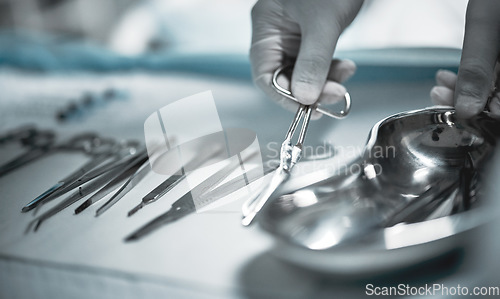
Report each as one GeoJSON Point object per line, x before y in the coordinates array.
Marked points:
{"type": "Point", "coordinates": [37, 225]}
{"type": "Point", "coordinates": [101, 210]}
{"type": "Point", "coordinates": [134, 210]}
{"type": "Point", "coordinates": [247, 220]}
{"type": "Point", "coordinates": [26, 209]}
{"type": "Point", "coordinates": [82, 207]}
{"type": "Point", "coordinates": [132, 237]}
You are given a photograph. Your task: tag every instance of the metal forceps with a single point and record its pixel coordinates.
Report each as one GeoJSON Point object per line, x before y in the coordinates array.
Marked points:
{"type": "Point", "coordinates": [289, 154]}
{"type": "Point", "coordinates": [42, 143]}
{"type": "Point", "coordinates": [99, 182]}
{"type": "Point", "coordinates": [128, 169]}
{"type": "Point", "coordinates": [140, 172]}
{"type": "Point", "coordinates": [100, 149]}
{"type": "Point", "coordinates": [174, 180]}
{"type": "Point", "coordinates": [38, 142]}
{"type": "Point", "coordinates": [18, 134]}
{"type": "Point", "coordinates": [205, 192]}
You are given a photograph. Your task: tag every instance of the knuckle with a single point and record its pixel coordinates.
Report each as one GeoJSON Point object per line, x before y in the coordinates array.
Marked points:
{"type": "Point", "coordinates": [470, 92]}
{"type": "Point", "coordinates": [313, 70]}
{"type": "Point", "coordinates": [473, 72]}
{"type": "Point", "coordinates": [309, 79]}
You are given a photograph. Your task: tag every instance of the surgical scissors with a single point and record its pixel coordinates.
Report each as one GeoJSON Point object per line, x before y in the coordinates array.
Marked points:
{"type": "Point", "coordinates": [289, 154]}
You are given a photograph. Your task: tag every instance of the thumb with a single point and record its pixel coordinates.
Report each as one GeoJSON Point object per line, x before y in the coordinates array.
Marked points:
{"type": "Point", "coordinates": [313, 61]}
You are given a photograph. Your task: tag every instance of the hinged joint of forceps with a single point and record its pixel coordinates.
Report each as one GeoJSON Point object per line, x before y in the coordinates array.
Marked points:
{"type": "Point", "coordinates": [290, 155]}
{"type": "Point", "coordinates": [318, 107]}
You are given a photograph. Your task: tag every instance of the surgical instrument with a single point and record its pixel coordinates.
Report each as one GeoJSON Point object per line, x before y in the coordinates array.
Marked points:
{"type": "Point", "coordinates": [236, 183]}
{"type": "Point", "coordinates": [175, 179]}
{"type": "Point", "coordinates": [89, 188]}
{"type": "Point", "coordinates": [286, 70]}
{"type": "Point", "coordinates": [132, 168]}
{"type": "Point", "coordinates": [18, 134]}
{"type": "Point", "coordinates": [289, 154]}
{"type": "Point", "coordinates": [158, 192]}
{"type": "Point", "coordinates": [39, 143]}
{"type": "Point", "coordinates": [189, 202]}
{"type": "Point", "coordinates": [100, 156]}
{"type": "Point", "coordinates": [433, 158]}
{"type": "Point", "coordinates": [132, 181]}
{"type": "Point", "coordinates": [42, 143]}
{"type": "Point", "coordinates": [102, 150]}
{"type": "Point", "coordinates": [89, 101]}
{"type": "Point", "coordinates": [328, 226]}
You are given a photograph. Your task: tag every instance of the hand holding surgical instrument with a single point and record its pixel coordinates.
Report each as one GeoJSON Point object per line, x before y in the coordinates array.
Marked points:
{"type": "Point", "coordinates": [305, 32]}
{"type": "Point", "coordinates": [289, 155]}
{"type": "Point", "coordinates": [318, 107]}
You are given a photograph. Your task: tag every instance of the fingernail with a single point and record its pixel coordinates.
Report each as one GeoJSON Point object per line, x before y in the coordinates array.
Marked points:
{"type": "Point", "coordinates": [316, 115]}
{"type": "Point", "coordinates": [448, 73]}
{"type": "Point", "coordinates": [332, 93]}
{"type": "Point", "coordinates": [305, 93]}
{"type": "Point", "coordinates": [347, 68]}
{"type": "Point", "coordinates": [446, 78]}
{"type": "Point", "coordinates": [441, 95]}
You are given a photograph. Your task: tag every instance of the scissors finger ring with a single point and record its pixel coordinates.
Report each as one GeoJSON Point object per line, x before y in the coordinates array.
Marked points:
{"type": "Point", "coordinates": [318, 107]}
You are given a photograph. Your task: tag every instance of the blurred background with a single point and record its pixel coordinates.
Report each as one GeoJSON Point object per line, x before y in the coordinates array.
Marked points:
{"type": "Point", "coordinates": [124, 34]}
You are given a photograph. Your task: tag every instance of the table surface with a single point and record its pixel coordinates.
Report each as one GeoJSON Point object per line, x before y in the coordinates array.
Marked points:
{"type": "Point", "coordinates": [207, 254]}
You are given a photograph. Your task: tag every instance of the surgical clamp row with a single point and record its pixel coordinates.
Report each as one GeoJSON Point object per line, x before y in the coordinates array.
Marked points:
{"type": "Point", "coordinates": [111, 164]}
{"type": "Point", "coordinates": [106, 155]}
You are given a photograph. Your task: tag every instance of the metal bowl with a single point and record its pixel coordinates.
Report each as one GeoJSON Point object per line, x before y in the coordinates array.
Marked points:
{"type": "Point", "coordinates": [423, 201]}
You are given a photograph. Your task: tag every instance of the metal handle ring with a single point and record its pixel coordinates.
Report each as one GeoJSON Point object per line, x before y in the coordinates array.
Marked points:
{"type": "Point", "coordinates": [318, 107]}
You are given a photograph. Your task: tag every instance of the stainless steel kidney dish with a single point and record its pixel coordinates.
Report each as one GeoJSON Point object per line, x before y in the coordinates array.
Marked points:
{"type": "Point", "coordinates": [418, 194]}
